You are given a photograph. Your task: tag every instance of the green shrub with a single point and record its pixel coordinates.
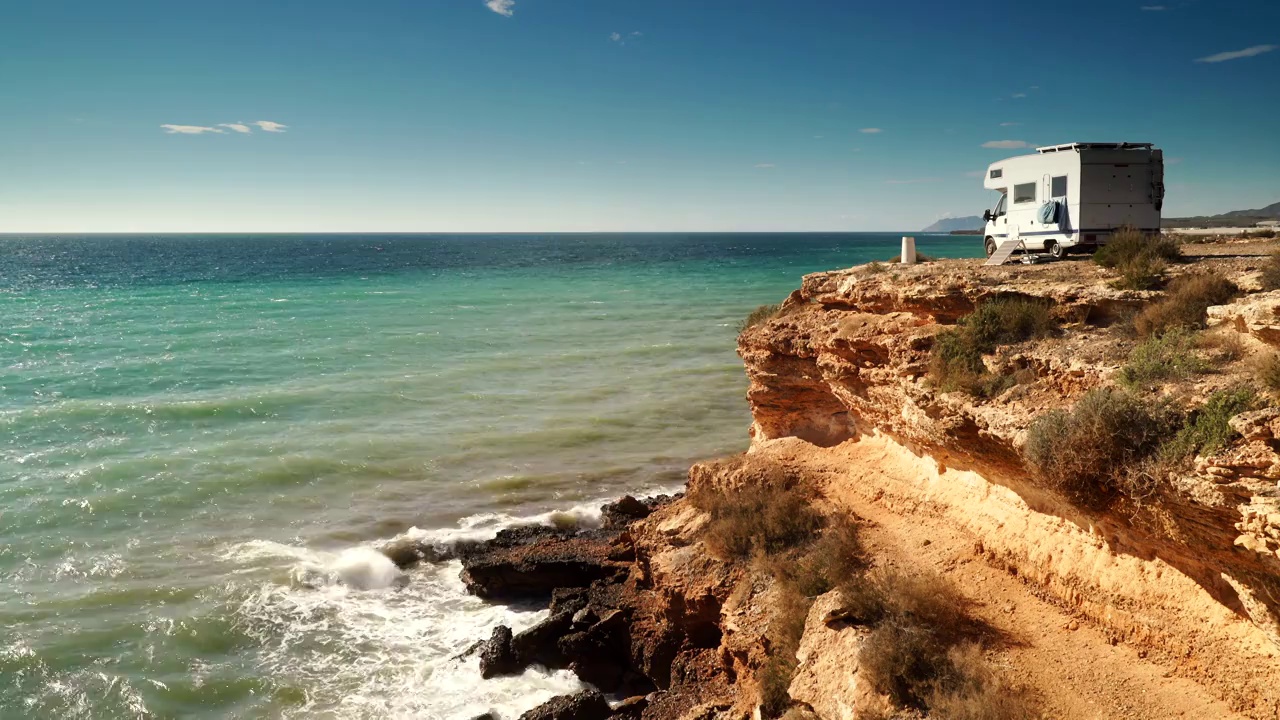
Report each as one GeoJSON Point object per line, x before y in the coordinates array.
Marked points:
{"type": "Point", "coordinates": [1185, 303]}
{"type": "Point", "coordinates": [1128, 245]}
{"type": "Point", "coordinates": [1270, 278]}
{"type": "Point", "coordinates": [759, 315]}
{"type": "Point", "coordinates": [956, 360]}
{"type": "Point", "coordinates": [1145, 272]}
{"type": "Point", "coordinates": [1206, 430]}
{"type": "Point", "coordinates": [1084, 453]}
{"type": "Point", "coordinates": [1170, 356]}
{"type": "Point", "coordinates": [756, 519]}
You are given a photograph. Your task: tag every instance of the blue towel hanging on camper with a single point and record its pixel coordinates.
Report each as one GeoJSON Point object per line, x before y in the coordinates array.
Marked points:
{"type": "Point", "coordinates": [1049, 213]}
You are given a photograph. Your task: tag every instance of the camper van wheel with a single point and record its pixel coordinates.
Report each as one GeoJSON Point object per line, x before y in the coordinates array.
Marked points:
{"type": "Point", "coordinates": [990, 246]}
{"type": "Point", "coordinates": [1056, 250]}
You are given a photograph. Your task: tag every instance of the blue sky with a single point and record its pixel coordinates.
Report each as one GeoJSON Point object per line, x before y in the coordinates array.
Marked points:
{"type": "Point", "coordinates": [467, 115]}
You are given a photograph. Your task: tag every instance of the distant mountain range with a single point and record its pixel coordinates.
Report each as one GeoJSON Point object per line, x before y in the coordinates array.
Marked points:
{"type": "Point", "coordinates": [946, 225]}
{"type": "Point", "coordinates": [1227, 219]}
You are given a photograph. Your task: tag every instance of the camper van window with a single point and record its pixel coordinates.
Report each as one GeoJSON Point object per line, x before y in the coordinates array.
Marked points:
{"type": "Point", "coordinates": [1059, 186]}
{"type": "Point", "coordinates": [997, 173]}
{"type": "Point", "coordinates": [1025, 193]}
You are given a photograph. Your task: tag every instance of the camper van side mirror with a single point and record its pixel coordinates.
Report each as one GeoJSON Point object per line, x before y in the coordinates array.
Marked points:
{"type": "Point", "coordinates": [987, 216]}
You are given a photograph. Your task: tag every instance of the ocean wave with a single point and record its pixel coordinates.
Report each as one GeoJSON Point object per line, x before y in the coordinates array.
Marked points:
{"type": "Point", "coordinates": [364, 639]}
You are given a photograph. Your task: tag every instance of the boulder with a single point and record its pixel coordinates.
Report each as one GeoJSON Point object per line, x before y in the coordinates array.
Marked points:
{"type": "Point", "coordinates": [497, 656]}
{"type": "Point", "coordinates": [533, 563]}
{"type": "Point", "coordinates": [586, 705]}
{"type": "Point", "coordinates": [623, 512]}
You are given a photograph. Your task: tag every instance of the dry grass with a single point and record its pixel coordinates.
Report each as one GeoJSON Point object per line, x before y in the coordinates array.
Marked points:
{"type": "Point", "coordinates": [1270, 277]}
{"type": "Point", "coordinates": [759, 315]}
{"type": "Point", "coordinates": [1269, 372]}
{"type": "Point", "coordinates": [761, 519]}
{"type": "Point", "coordinates": [956, 360]}
{"type": "Point", "coordinates": [1230, 345]}
{"type": "Point", "coordinates": [923, 649]}
{"type": "Point", "coordinates": [1085, 453]}
{"type": "Point", "coordinates": [785, 630]}
{"type": "Point", "coordinates": [1185, 303]}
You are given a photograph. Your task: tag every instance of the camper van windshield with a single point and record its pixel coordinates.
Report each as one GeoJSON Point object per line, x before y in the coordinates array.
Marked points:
{"type": "Point", "coordinates": [1000, 205]}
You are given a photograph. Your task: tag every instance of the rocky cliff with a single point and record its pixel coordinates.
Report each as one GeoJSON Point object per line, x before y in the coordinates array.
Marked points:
{"type": "Point", "coordinates": [1157, 606]}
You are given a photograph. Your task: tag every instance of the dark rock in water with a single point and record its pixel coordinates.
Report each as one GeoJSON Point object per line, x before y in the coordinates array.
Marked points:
{"type": "Point", "coordinates": [500, 571]}
{"type": "Point", "coordinates": [486, 716]}
{"type": "Point", "coordinates": [623, 512]}
{"type": "Point", "coordinates": [601, 653]}
{"type": "Point", "coordinates": [586, 705]}
{"type": "Point", "coordinates": [540, 643]}
{"type": "Point", "coordinates": [497, 656]}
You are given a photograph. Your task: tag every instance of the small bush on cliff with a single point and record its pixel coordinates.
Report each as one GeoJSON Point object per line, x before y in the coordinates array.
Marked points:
{"type": "Point", "coordinates": [1185, 303]}
{"type": "Point", "coordinates": [923, 650]}
{"type": "Point", "coordinates": [1269, 372]}
{"type": "Point", "coordinates": [956, 360]}
{"type": "Point", "coordinates": [759, 315]}
{"type": "Point", "coordinates": [1170, 356]}
{"type": "Point", "coordinates": [756, 519]}
{"type": "Point", "coordinates": [1206, 430]}
{"type": "Point", "coordinates": [1085, 452]}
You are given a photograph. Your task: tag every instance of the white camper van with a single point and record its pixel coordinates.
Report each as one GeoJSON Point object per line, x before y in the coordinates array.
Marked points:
{"type": "Point", "coordinates": [1074, 195]}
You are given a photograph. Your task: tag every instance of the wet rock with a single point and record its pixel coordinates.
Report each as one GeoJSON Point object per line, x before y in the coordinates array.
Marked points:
{"type": "Point", "coordinates": [540, 643]}
{"type": "Point", "coordinates": [586, 705]}
{"type": "Point", "coordinates": [497, 656]}
{"type": "Point", "coordinates": [584, 617]}
{"type": "Point", "coordinates": [623, 512]}
{"type": "Point", "coordinates": [569, 600]}
{"type": "Point", "coordinates": [525, 564]}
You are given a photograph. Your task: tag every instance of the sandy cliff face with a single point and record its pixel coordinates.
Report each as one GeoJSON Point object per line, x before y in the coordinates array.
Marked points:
{"type": "Point", "coordinates": [1162, 608]}
{"type": "Point", "coordinates": [1192, 577]}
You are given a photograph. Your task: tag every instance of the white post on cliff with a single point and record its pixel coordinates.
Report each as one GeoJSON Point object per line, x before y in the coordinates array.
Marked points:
{"type": "Point", "coordinates": [908, 251]}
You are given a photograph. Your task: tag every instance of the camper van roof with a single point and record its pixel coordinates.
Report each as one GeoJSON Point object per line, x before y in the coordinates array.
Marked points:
{"type": "Point", "coordinates": [1098, 146]}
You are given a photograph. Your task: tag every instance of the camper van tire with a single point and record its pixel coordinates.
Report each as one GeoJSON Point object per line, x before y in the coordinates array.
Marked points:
{"type": "Point", "coordinates": [1055, 249]}
{"type": "Point", "coordinates": [990, 245]}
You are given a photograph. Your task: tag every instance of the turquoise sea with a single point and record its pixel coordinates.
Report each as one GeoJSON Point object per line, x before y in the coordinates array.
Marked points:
{"type": "Point", "coordinates": [203, 439]}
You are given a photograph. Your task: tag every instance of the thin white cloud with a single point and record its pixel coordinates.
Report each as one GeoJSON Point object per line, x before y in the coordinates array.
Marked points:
{"type": "Point", "coordinates": [190, 129]}
{"type": "Point", "coordinates": [871, 131]}
{"type": "Point", "coordinates": [238, 127]}
{"type": "Point", "coordinates": [766, 165]}
{"type": "Point", "coordinates": [912, 181]}
{"type": "Point", "coordinates": [1237, 54]}
{"type": "Point", "coordinates": [1019, 95]}
{"type": "Point", "coordinates": [636, 33]}
{"type": "Point", "coordinates": [622, 39]}
{"type": "Point", "coordinates": [1006, 144]}
{"type": "Point", "coordinates": [269, 126]}
{"type": "Point", "coordinates": [1153, 8]}
{"type": "Point", "coordinates": [616, 37]}
{"type": "Point", "coordinates": [1010, 124]}
{"type": "Point", "coordinates": [502, 7]}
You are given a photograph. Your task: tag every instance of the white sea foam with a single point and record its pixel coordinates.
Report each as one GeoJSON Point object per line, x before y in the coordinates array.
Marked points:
{"type": "Point", "coordinates": [364, 640]}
